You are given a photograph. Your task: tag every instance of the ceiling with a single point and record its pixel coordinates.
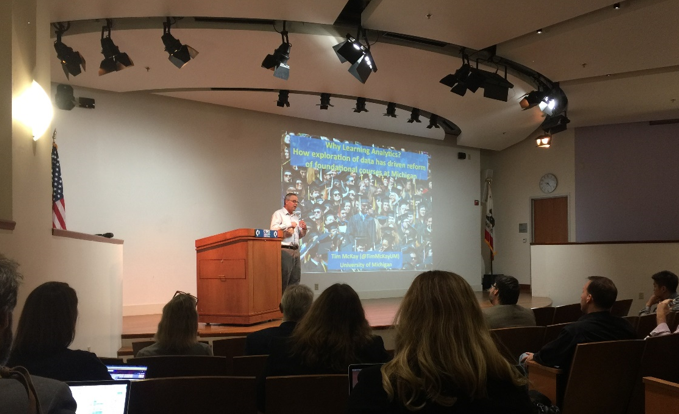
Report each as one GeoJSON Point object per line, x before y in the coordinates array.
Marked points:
{"type": "Point", "coordinates": [615, 65]}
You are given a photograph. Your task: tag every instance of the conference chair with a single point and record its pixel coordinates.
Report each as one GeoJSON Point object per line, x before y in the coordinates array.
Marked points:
{"type": "Point", "coordinates": [553, 331]}
{"type": "Point", "coordinates": [660, 360]}
{"type": "Point", "coordinates": [307, 394]}
{"type": "Point", "coordinates": [204, 395]}
{"type": "Point", "coordinates": [249, 365]}
{"type": "Point", "coordinates": [543, 316]}
{"type": "Point", "coordinates": [182, 366]}
{"type": "Point", "coordinates": [512, 342]}
{"type": "Point", "coordinates": [601, 378]}
{"type": "Point", "coordinates": [661, 396]}
{"type": "Point", "coordinates": [229, 348]}
{"type": "Point", "coordinates": [567, 313]}
{"type": "Point", "coordinates": [621, 307]}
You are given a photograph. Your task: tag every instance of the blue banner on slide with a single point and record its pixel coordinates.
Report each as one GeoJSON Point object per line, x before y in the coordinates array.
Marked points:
{"type": "Point", "coordinates": [362, 261]}
{"type": "Point", "coordinates": [356, 158]}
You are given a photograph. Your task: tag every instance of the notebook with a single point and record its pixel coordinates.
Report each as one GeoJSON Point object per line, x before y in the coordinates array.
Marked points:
{"type": "Point", "coordinates": [101, 397]}
{"type": "Point", "coordinates": [127, 372]}
{"type": "Point", "coordinates": [354, 369]}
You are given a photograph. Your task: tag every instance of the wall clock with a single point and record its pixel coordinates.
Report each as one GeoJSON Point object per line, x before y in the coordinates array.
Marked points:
{"type": "Point", "coordinates": [548, 183]}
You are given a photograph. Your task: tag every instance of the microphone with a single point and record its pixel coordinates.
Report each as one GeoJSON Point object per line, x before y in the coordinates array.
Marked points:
{"type": "Point", "coordinates": [107, 235]}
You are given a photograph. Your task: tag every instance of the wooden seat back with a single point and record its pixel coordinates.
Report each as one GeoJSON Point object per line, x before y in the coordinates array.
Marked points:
{"type": "Point", "coordinates": [543, 316]}
{"type": "Point", "coordinates": [512, 342]}
{"type": "Point", "coordinates": [182, 366]}
{"type": "Point", "coordinates": [307, 394]}
{"type": "Point", "coordinates": [660, 360]}
{"type": "Point", "coordinates": [229, 348]}
{"type": "Point", "coordinates": [646, 324]}
{"type": "Point", "coordinates": [111, 361]}
{"type": "Point", "coordinates": [661, 396]}
{"type": "Point", "coordinates": [139, 345]}
{"type": "Point", "coordinates": [633, 320]}
{"type": "Point", "coordinates": [249, 365]}
{"type": "Point", "coordinates": [553, 331]}
{"type": "Point", "coordinates": [602, 377]}
{"type": "Point", "coordinates": [204, 395]}
{"type": "Point", "coordinates": [567, 313]}
{"type": "Point", "coordinates": [621, 307]}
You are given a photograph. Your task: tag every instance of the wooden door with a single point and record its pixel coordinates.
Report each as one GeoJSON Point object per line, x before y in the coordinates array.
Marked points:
{"type": "Point", "coordinates": [550, 220]}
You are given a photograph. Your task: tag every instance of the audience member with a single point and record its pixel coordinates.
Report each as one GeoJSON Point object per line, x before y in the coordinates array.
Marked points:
{"type": "Point", "coordinates": [445, 359]}
{"type": "Point", "coordinates": [295, 303]}
{"type": "Point", "coordinates": [505, 313]}
{"type": "Point", "coordinates": [178, 329]}
{"type": "Point", "coordinates": [46, 329]}
{"type": "Point", "coordinates": [20, 391]}
{"type": "Point", "coordinates": [664, 287]}
{"type": "Point", "coordinates": [664, 308]}
{"type": "Point", "coordinates": [596, 325]}
{"type": "Point", "coordinates": [332, 335]}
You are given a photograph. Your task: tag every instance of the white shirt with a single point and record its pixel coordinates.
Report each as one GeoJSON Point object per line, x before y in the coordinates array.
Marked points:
{"type": "Point", "coordinates": [282, 220]}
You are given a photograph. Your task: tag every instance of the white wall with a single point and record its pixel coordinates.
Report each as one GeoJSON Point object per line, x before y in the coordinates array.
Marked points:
{"type": "Point", "coordinates": [161, 172]}
{"type": "Point", "coordinates": [516, 173]}
{"type": "Point", "coordinates": [560, 271]}
{"type": "Point", "coordinates": [93, 269]}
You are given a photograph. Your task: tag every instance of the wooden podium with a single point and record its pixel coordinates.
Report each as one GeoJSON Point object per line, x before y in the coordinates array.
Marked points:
{"type": "Point", "coordinates": [238, 277]}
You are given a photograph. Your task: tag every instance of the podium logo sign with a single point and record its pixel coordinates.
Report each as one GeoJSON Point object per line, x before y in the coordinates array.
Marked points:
{"type": "Point", "coordinates": [267, 234]}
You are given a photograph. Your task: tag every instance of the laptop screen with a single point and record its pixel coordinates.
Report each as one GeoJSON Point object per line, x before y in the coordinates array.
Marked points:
{"type": "Point", "coordinates": [127, 372]}
{"type": "Point", "coordinates": [101, 397]}
{"type": "Point", "coordinates": [354, 369]}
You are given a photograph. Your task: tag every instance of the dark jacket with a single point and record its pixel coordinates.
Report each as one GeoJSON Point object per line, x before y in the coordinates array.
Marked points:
{"type": "Point", "coordinates": [63, 365]}
{"type": "Point", "coordinates": [259, 343]}
{"type": "Point", "coordinates": [54, 396]}
{"type": "Point", "coordinates": [503, 397]}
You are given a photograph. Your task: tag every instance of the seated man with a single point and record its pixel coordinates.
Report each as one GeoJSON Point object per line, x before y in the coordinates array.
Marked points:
{"type": "Point", "coordinates": [295, 303]}
{"type": "Point", "coordinates": [663, 309]}
{"type": "Point", "coordinates": [664, 287]}
{"type": "Point", "coordinates": [50, 395]}
{"type": "Point", "coordinates": [596, 325]}
{"type": "Point", "coordinates": [505, 313]}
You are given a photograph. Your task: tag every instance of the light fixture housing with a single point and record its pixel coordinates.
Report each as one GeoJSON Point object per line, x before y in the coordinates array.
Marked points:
{"type": "Point", "coordinates": [414, 116]}
{"type": "Point", "coordinates": [71, 61]}
{"type": "Point", "coordinates": [283, 99]}
{"type": "Point", "coordinates": [278, 61]}
{"type": "Point", "coordinates": [391, 110]}
{"type": "Point", "coordinates": [360, 105]}
{"type": "Point", "coordinates": [179, 54]}
{"type": "Point", "coordinates": [114, 60]}
{"type": "Point", "coordinates": [360, 57]}
{"type": "Point", "coordinates": [555, 124]}
{"type": "Point", "coordinates": [472, 78]}
{"type": "Point", "coordinates": [532, 99]}
{"type": "Point", "coordinates": [433, 121]}
{"type": "Point", "coordinates": [64, 98]}
{"type": "Point", "coordinates": [34, 109]}
{"type": "Point", "coordinates": [325, 101]}
{"type": "Point", "coordinates": [544, 141]}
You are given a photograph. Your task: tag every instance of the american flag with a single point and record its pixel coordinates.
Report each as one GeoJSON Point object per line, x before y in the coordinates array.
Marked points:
{"type": "Point", "coordinates": [58, 205]}
{"type": "Point", "coordinates": [490, 223]}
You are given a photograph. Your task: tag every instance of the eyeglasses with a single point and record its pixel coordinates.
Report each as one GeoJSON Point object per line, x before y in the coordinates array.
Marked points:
{"type": "Point", "coordinates": [179, 292]}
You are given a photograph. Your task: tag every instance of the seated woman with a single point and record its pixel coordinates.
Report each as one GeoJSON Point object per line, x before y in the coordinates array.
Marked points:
{"type": "Point", "coordinates": [445, 359]}
{"type": "Point", "coordinates": [178, 330]}
{"type": "Point", "coordinates": [46, 329]}
{"type": "Point", "coordinates": [332, 335]}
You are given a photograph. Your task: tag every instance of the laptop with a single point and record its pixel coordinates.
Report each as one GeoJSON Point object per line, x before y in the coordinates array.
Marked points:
{"type": "Point", "coordinates": [101, 397]}
{"type": "Point", "coordinates": [127, 372]}
{"type": "Point", "coordinates": [354, 369]}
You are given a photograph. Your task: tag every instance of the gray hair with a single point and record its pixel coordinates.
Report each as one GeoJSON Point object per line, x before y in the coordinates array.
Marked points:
{"type": "Point", "coordinates": [10, 279]}
{"type": "Point", "coordinates": [296, 301]}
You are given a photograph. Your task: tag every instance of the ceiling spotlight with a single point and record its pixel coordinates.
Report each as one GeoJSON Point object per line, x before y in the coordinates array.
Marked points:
{"type": "Point", "coordinates": [473, 78]}
{"type": "Point", "coordinates": [179, 54]}
{"type": "Point", "coordinates": [352, 51]}
{"type": "Point", "coordinates": [433, 122]}
{"type": "Point", "coordinates": [457, 81]}
{"type": "Point", "coordinates": [414, 116]}
{"type": "Point", "coordinates": [283, 99]}
{"type": "Point", "coordinates": [113, 60]}
{"type": "Point", "coordinates": [555, 124]}
{"type": "Point", "coordinates": [539, 31]}
{"type": "Point", "coordinates": [360, 105]}
{"type": "Point", "coordinates": [325, 101]}
{"type": "Point", "coordinates": [71, 61]}
{"type": "Point", "coordinates": [391, 110]}
{"type": "Point", "coordinates": [532, 99]}
{"type": "Point", "coordinates": [616, 6]}
{"type": "Point", "coordinates": [544, 141]}
{"type": "Point", "coordinates": [278, 61]}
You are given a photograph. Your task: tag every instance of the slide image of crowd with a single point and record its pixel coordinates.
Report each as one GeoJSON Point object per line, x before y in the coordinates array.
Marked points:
{"type": "Point", "coordinates": [351, 213]}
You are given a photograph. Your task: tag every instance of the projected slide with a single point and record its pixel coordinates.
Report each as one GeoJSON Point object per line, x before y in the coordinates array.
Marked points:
{"type": "Point", "coordinates": [366, 208]}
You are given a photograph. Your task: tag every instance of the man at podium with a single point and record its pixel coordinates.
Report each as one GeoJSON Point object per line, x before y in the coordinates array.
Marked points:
{"type": "Point", "coordinates": [293, 229]}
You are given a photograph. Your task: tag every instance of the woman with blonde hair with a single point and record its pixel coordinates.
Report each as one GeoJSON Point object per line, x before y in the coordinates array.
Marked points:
{"type": "Point", "coordinates": [445, 360]}
{"type": "Point", "coordinates": [178, 329]}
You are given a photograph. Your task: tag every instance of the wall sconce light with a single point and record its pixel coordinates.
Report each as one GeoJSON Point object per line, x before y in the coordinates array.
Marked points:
{"type": "Point", "coordinates": [544, 141]}
{"type": "Point", "coordinates": [33, 108]}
